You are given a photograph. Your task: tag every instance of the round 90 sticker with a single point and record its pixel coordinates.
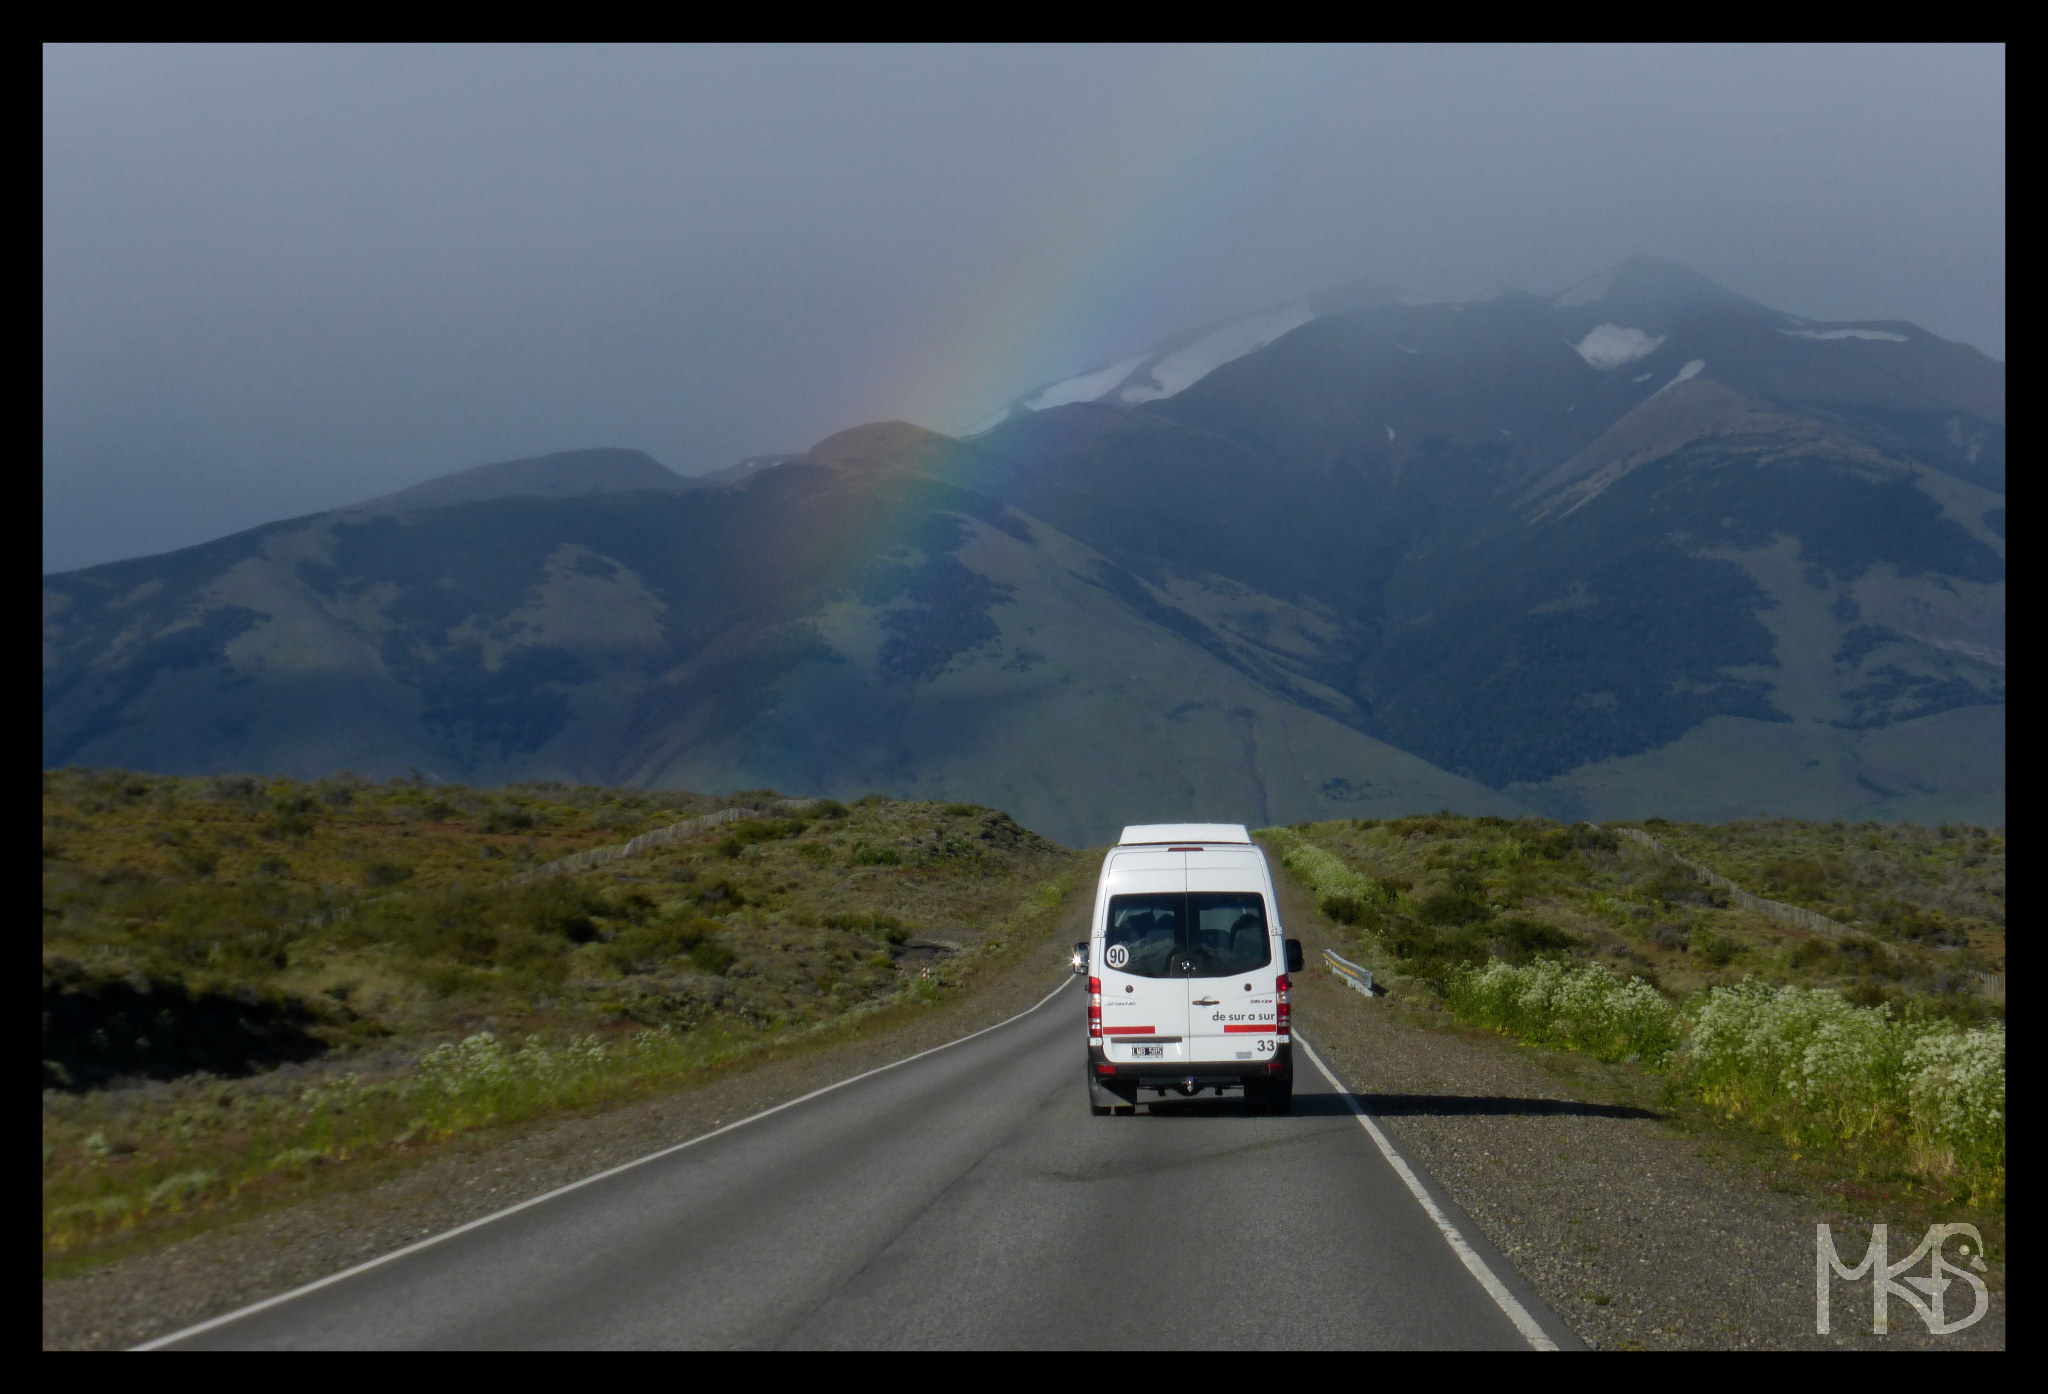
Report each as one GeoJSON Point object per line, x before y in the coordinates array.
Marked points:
{"type": "Point", "coordinates": [1117, 956]}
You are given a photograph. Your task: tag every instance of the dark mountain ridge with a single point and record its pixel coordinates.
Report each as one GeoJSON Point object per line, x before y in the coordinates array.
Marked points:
{"type": "Point", "coordinates": [1643, 547]}
{"type": "Point", "coordinates": [565, 474]}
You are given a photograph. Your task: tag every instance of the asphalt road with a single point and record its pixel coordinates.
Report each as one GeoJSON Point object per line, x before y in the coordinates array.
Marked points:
{"type": "Point", "coordinates": [965, 1199]}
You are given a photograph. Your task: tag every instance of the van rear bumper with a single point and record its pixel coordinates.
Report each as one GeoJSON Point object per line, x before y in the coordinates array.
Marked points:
{"type": "Point", "coordinates": [1201, 1074]}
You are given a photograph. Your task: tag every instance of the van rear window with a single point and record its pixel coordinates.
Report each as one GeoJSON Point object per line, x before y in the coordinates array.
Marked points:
{"type": "Point", "coordinates": [1201, 934]}
{"type": "Point", "coordinates": [1144, 934]}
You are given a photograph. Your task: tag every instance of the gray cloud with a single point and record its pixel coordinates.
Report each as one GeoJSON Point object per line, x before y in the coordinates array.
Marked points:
{"type": "Point", "coordinates": [278, 280]}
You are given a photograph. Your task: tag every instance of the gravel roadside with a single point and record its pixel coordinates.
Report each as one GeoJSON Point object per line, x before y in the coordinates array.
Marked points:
{"type": "Point", "coordinates": [1634, 1233]}
{"type": "Point", "coordinates": [137, 1299]}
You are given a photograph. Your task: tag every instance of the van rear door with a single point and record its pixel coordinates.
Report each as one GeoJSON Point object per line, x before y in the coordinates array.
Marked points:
{"type": "Point", "coordinates": [1144, 995]}
{"type": "Point", "coordinates": [1230, 959]}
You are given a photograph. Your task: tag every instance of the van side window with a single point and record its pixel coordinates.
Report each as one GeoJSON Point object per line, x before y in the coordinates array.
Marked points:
{"type": "Point", "coordinates": [1205, 934]}
{"type": "Point", "coordinates": [1143, 933]}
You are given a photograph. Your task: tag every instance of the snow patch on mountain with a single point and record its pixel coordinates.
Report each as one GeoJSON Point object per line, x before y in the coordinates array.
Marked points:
{"type": "Point", "coordinates": [1690, 371]}
{"type": "Point", "coordinates": [1181, 370]}
{"type": "Point", "coordinates": [1885, 335]}
{"type": "Point", "coordinates": [983, 427]}
{"type": "Point", "coordinates": [1086, 387]}
{"type": "Point", "coordinates": [1608, 346]}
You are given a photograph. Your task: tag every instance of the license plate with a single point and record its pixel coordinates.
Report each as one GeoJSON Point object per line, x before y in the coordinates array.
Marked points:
{"type": "Point", "coordinates": [1157, 1052]}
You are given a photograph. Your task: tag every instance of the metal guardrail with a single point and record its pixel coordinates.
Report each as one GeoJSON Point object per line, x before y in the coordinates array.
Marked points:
{"type": "Point", "coordinates": [1359, 977]}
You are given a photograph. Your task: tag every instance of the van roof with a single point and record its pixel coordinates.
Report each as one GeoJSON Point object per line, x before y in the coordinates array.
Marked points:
{"type": "Point", "coordinates": [1152, 834]}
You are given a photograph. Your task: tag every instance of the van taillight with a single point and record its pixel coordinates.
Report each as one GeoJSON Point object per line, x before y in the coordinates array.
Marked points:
{"type": "Point", "coordinates": [1280, 1017]}
{"type": "Point", "coordinates": [1095, 1011]}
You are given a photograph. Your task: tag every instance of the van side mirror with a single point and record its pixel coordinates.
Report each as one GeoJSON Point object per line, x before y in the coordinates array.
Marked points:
{"type": "Point", "coordinates": [1081, 957]}
{"type": "Point", "coordinates": [1295, 962]}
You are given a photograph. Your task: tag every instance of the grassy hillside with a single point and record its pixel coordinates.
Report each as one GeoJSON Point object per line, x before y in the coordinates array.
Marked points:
{"type": "Point", "coordinates": [1880, 1053]}
{"type": "Point", "coordinates": [1455, 891]}
{"type": "Point", "coordinates": [249, 984]}
{"type": "Point", "coordinates": [1926, 886]}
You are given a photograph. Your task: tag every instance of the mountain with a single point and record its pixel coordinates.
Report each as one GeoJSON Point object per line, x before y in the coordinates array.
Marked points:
{"type": "Point", "coordinates": [734, 473]}
{"type": "Point", "coordinates": [1643, 547]}
{"type": "Point", "coordinates": [561, 475]}
{"type": "Point", "coordinates": [1180, 362]}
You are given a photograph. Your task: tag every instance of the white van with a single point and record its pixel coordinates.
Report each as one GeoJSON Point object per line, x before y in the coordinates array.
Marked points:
{"type": "Point", "coordinates": [1187, 965]}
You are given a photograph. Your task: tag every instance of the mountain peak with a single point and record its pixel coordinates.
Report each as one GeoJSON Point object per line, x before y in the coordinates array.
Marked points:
{"type": "Point", "coordinates": [877, 446]}
{"type": "Point", "coordinates": [564, 474]}
{"type": "Point", "coordinates": [1646, 288]}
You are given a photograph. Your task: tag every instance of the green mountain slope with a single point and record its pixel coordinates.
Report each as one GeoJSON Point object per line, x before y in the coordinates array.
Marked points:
{"type": "Point", "coordinates": [842, 625]}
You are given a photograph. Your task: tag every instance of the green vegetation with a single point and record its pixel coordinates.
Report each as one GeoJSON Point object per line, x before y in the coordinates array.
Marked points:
{"type": "Point", "coordinates": [1585, 1008]}
{"type": "Point", "coordinates": [1940, 887]}
{"type": "Point", "coordinates": [1427, 895]}
{"type": "Point", "coordinates": [1888, 1046]}
{"type": "Point", "coordinates": [253, 987]}
{"type": "Point", "coordinates": [1800, 1062]}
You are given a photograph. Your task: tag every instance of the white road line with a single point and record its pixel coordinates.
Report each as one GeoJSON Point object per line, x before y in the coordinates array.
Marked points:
{"type": "Point", "coordinates": [1475, 1265]}
{"type": "Point", "coordinates": [428, 1243]}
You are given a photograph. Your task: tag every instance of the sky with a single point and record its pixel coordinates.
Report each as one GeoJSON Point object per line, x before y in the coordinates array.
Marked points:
{"type": "Point", "coordinates": [278, 280]}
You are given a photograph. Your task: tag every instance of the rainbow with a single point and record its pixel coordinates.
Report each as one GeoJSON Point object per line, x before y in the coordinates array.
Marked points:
{"type": "Point", "coordinates": [1131, 226]}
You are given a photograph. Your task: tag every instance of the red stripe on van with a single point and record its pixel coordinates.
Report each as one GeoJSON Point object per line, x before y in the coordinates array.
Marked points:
{"type": "Point", "coordinates": [1235, 1030]}
{"type": "Point", "coordinates": [1133, 1030]}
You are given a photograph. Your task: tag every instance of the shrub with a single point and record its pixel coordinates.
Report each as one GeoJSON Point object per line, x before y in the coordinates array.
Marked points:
{"type": "Point", "coordinates": [864, 922]}
{"type": "Point", "coordinates": [1585, 1008]}
{"type": "Point", "coordinates": [721, 893]}
{"type": "Point", "coordinates": [1809, 952]}
{"type": "Point", "coordinates": [712, 957]}
{"type": "Point", "coordinates": [1955, 1092]}
{"type": "Point", "coordinates": [643, 946]}
{"type": "Point", "coordinates": [504, 819]}
{"type": "Point", "coordinates": [746, 833]}
{"type": "Point", "coordinates": [1671, 936]}
{"type": "Point", "coordinates": [199, 861]}
{"type": "Point", "coordinates": [1452, 907]}
{"type": "Point", "coordinates": [1521, 935]}
{"type": "Point", "coordinates": [1327, 875]}
{"type": "Point", "coordinates": [1351, 910]}
{"type": "Point", "coordinates": [1717, 949]}
{"type": "Point", "coordinates": [869, 855]}
{"type": "Point", "coordinates": [1817, 1068]}
{"type": "Point", "coordinates": [1433, 955]}
{"type": "Point", "coordinates": [382, 874]}
{"type": "Point", "coordinates": [562, 907]}
{"type": "Point", "coordinates": [295, 824]}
